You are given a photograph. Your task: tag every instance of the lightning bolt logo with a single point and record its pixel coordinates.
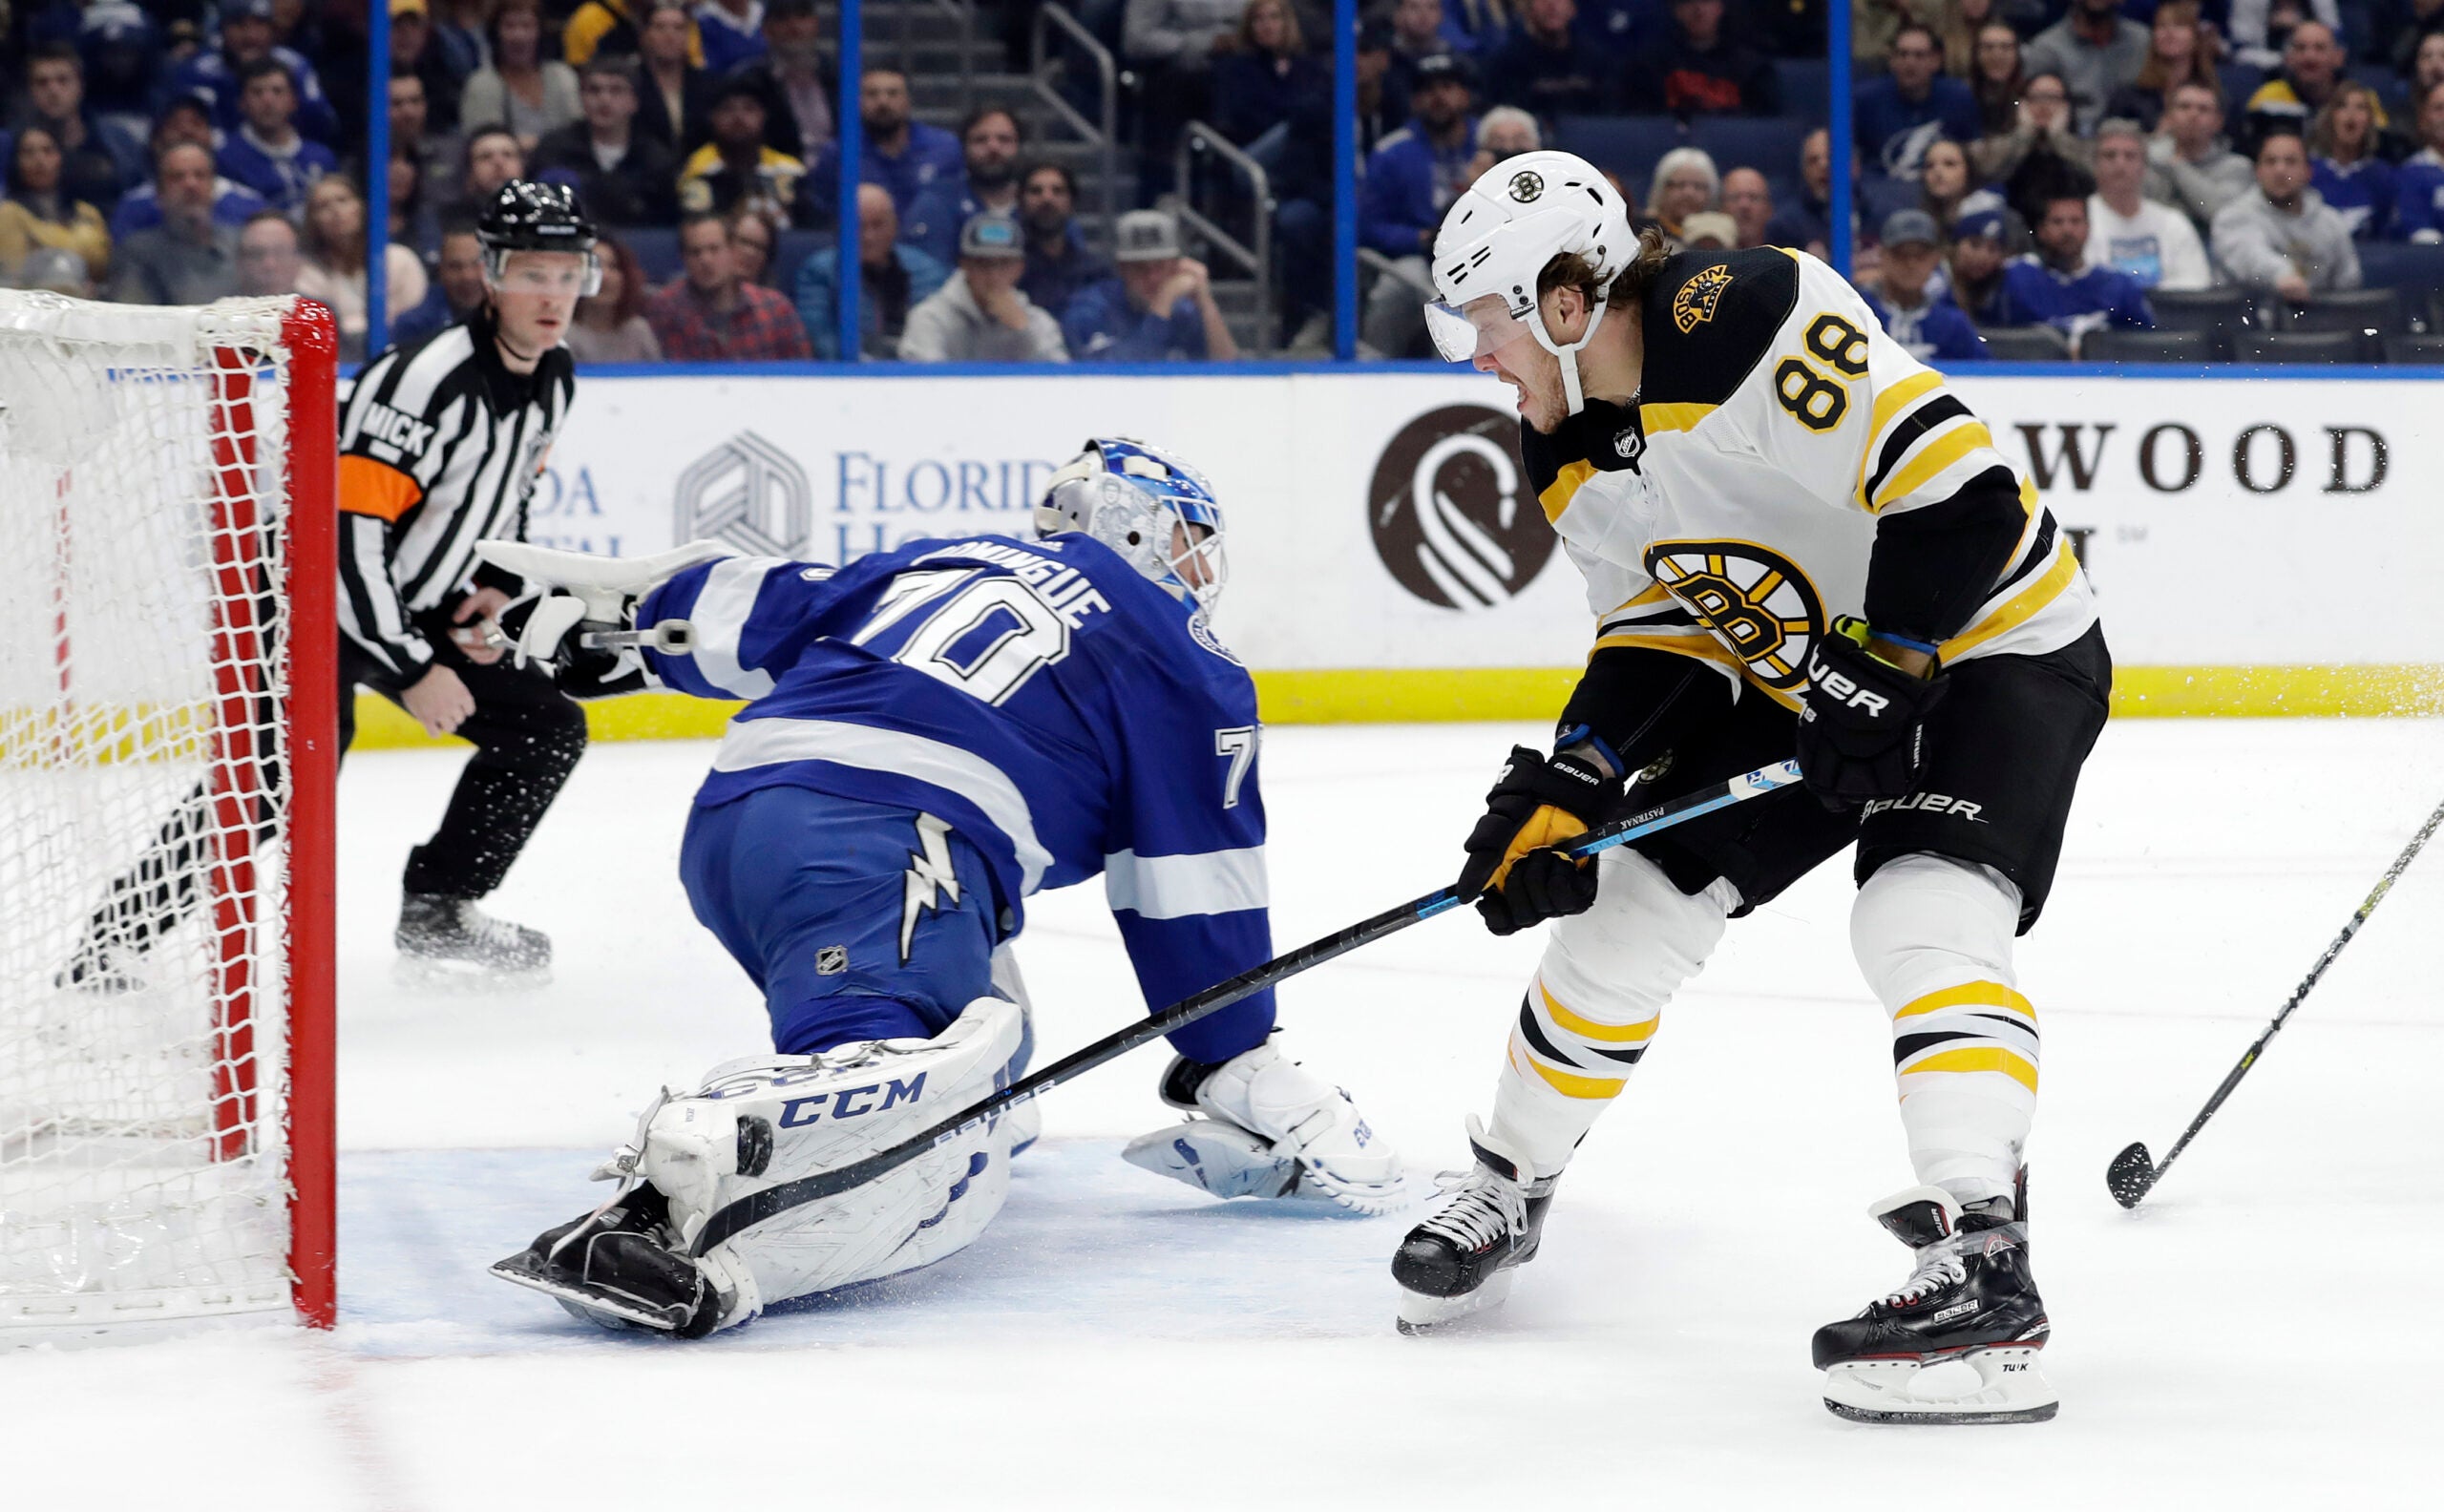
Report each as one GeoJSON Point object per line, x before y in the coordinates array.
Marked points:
{"type": "Point", "coordinates": [929, 878]}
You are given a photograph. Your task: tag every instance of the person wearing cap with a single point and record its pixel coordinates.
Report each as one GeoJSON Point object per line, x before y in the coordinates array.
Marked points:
{"type": "Point", "coordinates": [1159, 308]}
{"type": "Point", "coordinates": [2154, 243]}
{"type": "Point", "coordinates": [1925, 321]}
{"type": "Point", "coordinates": [187, 121]}
{"type": "Point", "coordinates": [1710, 231]}
{"type": "Point", "coordinates": [215, 73]}
{"type": "Point", "coordinates": [989, 143]}
{"type": "Point", "coordinates": [738, 166]}
{"type": "Point", "coordinates": [1698, 71]}
{"type": "Point", "coordinates": [1411, 179]}
{"type": "Point", "coordinates": [893, 279]}
{"type": "Point", "coordinates": [2056, 286]}
{"type": "Point", "coordinates": [1974, 273]}
{"type": "Point", "coordinates": [980, 314]}
{"type": "Point", "coordinates": [711, 314]}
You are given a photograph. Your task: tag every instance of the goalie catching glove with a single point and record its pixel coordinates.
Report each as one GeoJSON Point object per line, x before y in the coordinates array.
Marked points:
{"type": "Point", "coordinates": [1861, 733]}
{"type": "Point", "coordinates": [1513, 871]}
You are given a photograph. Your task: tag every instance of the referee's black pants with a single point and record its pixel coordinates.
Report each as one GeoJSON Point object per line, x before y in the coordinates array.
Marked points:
{"type": "Point", "coordinates": [528, 736]}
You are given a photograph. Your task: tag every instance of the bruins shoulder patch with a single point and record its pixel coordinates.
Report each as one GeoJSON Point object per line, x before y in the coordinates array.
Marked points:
{"type": "Point", "coordinates": [1710, 319]}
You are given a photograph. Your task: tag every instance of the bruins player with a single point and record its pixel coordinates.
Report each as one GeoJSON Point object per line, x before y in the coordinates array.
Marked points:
{"type": "Point", "coordinates": [1795, 539]}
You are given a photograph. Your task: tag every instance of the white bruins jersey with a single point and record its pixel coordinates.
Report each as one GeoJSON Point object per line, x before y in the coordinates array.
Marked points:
{"type": "Point", "coordinates": [1730, 513]}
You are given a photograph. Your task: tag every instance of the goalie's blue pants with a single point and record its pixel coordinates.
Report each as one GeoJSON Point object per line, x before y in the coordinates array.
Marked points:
{"type": "Point", "coordinates": [842, 913]}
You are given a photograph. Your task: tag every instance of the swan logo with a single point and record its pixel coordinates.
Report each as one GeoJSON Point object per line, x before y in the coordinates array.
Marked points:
{"type": "Point", "coordinates": [1451, 511]}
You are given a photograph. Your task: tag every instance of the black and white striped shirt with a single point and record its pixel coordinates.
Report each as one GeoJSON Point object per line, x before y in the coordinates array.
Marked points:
{"type": "Point", "coordinates": [439, 448]}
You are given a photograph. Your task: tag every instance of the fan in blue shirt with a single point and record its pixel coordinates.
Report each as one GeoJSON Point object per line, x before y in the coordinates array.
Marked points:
{"type": "Point", "coordinates": [1895, 117]}
{"type": "Point", "coordinates": [2054, 286]}
{"type": "Point", "coordinates": [267, 154]}
{"type": "Point", "coordinates": [1925, 321]}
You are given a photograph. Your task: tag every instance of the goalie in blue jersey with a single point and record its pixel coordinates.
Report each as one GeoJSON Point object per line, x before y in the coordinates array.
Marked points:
{"type": "Point", "coordinates": [933, 734]}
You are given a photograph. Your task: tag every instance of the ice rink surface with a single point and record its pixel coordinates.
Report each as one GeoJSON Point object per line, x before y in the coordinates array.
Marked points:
{"type": "Point", "coordinates": [2261, 1333]}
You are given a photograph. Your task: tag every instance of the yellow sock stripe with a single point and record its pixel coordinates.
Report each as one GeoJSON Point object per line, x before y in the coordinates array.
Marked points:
{"type": "Point", "coordinates": [2019, 1068]}
{"type": "Point", "coordinates": [1589, 1029]}
{"type": "Point", "coordinates": [1968, 995]}
{"type": "Point", "coordinates": [1593, 1089]}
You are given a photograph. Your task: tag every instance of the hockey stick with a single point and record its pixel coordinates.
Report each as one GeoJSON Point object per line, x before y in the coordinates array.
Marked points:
{"type": "Point", "coordinates": [754, 1208]}
{"type": "Point", "coordinates": [2133, 1174]}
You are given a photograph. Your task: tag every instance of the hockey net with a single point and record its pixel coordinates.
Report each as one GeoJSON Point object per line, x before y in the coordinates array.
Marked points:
{"type": "Point", "coordinates": [166, 755]}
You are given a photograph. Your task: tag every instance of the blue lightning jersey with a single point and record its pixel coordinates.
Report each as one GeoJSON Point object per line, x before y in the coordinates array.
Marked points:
{"type": "Point", "coordinates": [1064, 713]}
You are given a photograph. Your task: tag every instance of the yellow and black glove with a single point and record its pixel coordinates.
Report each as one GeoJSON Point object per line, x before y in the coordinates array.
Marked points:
{"type": "Point", "coordinates": [1515, 873]}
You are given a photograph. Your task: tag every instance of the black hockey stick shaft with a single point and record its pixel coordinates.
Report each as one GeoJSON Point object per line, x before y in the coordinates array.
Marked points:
{"type": "Point", "coordinates": [2131, 1183]}
{"type": "Point", "coordinates": [772, 1201]}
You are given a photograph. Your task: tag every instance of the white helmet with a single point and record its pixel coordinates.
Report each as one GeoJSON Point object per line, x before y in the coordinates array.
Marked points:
{"type": "Point", "coordinates": [1520, 215]}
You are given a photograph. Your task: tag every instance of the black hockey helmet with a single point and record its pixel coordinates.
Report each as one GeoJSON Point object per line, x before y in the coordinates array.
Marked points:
{"type": "Point", "coordinates": [526, 214]}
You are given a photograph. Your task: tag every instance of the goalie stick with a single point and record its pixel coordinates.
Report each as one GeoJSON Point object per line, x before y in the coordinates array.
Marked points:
{"type": "Point", "coordinates": [750, 1210]}
{"type": "Point", "coordinates": [2134, 1173]}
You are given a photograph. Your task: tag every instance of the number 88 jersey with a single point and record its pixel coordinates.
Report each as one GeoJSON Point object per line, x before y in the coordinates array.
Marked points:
{"type": "Point", "coordinates": [1784, 463]}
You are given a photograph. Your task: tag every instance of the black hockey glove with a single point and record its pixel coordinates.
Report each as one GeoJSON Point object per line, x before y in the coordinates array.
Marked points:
{"type": "Point", "coordinates": [1861, 732]}
{"type": "Point", "coordinates": [1515, 876]}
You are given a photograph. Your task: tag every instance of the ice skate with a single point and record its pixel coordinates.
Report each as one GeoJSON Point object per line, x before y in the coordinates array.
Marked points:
{"type": "Point", "coordinates": [1274, 1130]}
{"type": "Point", "coordinates": [450, 942]}
{"type": "Point", "coordinates": [1959, 1341]}
{"type": "Point", "coordinates": [1461, 1260]}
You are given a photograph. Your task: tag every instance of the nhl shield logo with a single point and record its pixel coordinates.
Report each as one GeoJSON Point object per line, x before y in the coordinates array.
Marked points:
{"type": "Point", "coordinates": [1628, 445]}
{"type": "Point", "coordinates": [1525, 186]}
{"type": "Point", "coordinates": [830, 960]}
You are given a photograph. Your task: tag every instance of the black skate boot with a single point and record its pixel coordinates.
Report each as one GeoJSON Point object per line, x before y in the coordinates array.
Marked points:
{"type": "Point", "coordinates": [1460, 1261]}
{"type": "Point", "coordinates": [1959, 1341]}
{"type": "Point", "coordinates": [449, 941]}
{"type": "Point", "coordinates": [621, 1268]}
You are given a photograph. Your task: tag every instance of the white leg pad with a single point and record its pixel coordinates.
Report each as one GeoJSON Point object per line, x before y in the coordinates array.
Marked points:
{"type": "Point", "coordinates": [822, 1112]}
{"type": "Point", "coordinates": [1933, 938]}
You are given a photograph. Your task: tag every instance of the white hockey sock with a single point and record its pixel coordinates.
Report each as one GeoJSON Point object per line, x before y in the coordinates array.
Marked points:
{"type": "Point", "coordinates": [1933, 938]}
{"type": "Point", "coordinates": [1596, 1003]}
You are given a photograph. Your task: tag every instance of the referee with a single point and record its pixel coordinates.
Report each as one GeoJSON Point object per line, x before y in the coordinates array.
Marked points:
{"type": "Point", "coordinates": [440, 446]}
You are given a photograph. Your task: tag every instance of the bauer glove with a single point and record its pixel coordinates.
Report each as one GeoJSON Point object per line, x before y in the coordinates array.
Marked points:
{"type": "Point", "coordinates": [1538, 803]}
{"type": "Point", "coordinates": [1862, 730]}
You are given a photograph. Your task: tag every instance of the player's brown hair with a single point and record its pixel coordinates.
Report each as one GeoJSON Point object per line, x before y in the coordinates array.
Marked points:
{"type": "Point", "coordinates": [1571, 270]}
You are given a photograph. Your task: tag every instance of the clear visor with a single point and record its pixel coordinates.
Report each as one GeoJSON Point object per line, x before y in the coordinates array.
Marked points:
{"type": "Point", "coordinates": [562, 273]}
{"type": "Point", "coordinates": [1479, 328]}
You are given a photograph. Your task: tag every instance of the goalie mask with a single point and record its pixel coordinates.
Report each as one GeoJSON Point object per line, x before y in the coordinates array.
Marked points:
{"type": "Point", "coordinates": [1153, 509]}
{"type": "Point", "coordinates": [1495, 242]}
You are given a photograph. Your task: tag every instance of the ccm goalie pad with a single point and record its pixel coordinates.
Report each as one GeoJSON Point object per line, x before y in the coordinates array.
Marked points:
{"type": "Point", "coordinates": [757, 1124]}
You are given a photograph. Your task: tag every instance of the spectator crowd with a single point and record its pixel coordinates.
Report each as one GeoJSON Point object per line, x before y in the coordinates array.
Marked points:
{"type": "Point", "coordinates": [2068, 164]}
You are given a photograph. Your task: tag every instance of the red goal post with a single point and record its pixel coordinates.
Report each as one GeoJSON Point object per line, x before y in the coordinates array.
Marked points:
{"type": "Point", "coordinates": [168, 753]}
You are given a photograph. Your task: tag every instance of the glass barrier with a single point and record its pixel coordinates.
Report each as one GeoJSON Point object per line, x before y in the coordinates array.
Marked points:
{"type": "Point", "coordinates": [1162, 180]}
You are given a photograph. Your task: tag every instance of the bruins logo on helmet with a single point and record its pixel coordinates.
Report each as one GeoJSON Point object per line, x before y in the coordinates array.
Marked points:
{"type": "Point", "coordinates": [1756, 601]}
{"type": "Point", "coordinates": [1525, 187]}
{"type": "Point", "coordinates": [1694, 305]}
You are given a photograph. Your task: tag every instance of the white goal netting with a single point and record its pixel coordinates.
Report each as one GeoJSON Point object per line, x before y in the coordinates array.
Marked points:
{"type": "Point", "coordinates": [144, 811]}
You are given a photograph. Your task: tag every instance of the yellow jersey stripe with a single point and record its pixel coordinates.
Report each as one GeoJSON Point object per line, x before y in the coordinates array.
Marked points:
{"type": "Point", "coordinates": [2052, 585]}
{"type": "Point", "coordinates": [1565, 485]}
{"type": "Point", "coordinates": [1654, 594]}
{"type": "Point", "coordinates": [1967, 995]}
{"type": "Point", "coordinates": [1590, 1029]}
{"type": "Point", "coordinates": [1659, 417]}
{"type": "Point", "coordinates": [2018, 1067]}
{"type": "Point", "coordinates": [1948, 446]}
{"type": "Point", "coordinates": [1889, 404]}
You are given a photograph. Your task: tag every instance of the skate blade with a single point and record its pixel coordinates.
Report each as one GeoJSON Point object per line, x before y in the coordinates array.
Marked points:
{"type": "Point", "coordinates": [432, 975]}
{"type": "Point", "coordinates": [1421, 1315]}
{"type": "Point", "coordinates": [592, 1306]}
{"type": "Point", "coordinates": [1979, 1386]}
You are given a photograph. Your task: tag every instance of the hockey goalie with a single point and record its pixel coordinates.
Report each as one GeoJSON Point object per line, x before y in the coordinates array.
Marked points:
{"type": "Point", "coordinates": [933, 734]}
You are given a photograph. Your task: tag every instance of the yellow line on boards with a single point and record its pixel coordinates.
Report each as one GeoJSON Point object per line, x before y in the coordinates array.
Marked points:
{"type": "Point", "coordinates": [1409, 696]}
